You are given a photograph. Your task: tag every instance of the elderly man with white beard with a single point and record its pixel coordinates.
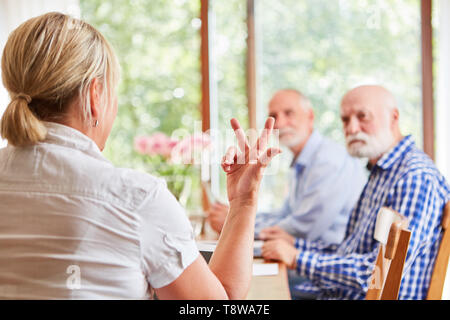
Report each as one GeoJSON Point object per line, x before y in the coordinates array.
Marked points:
{"type": "Point", "coordinates": [325, 181]}
{"type": "Point", "coordinates": [402, 178]}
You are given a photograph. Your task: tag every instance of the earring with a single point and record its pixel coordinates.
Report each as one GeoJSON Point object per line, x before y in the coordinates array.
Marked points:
{"type": "Point", "coordinates": [96, 123]}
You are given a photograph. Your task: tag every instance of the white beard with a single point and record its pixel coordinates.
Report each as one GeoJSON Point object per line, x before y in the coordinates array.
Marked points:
{"type": "Point", "coordinates": [294, 139]}
{"type": "Point", "coordinates": [370, 146]}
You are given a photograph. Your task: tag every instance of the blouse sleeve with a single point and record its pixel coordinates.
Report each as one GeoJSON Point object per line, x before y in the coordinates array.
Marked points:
{"type": "Point", "coordinates": [167, 239]}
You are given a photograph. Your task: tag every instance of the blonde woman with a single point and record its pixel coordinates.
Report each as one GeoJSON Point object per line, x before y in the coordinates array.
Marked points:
{"type": "Point", "coordinates": [72, 226]}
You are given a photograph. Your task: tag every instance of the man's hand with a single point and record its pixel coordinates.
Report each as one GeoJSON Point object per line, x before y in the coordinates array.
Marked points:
{"type": "Point", "coordinates": [276, 232]}
{"type": "Point", "coordinates": [216, 215]}
{"type": "Point", "coordinates": [280, 250]}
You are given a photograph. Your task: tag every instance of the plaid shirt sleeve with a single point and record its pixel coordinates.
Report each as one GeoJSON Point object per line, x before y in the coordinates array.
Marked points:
{"type": "Point", "coordinates": [314, 246]}
{"type": "Point", "coordinates": [414, 196]}
{"type": "Point", "coordinates": [331, 271]}
{"type": "Point", "coordinates": [417, 197]}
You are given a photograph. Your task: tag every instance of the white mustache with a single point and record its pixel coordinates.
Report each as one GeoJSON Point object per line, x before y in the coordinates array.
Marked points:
{"type": "Point", "coordinates": [369, 146]}
{"type": "Point", "coordinates": [360, 136]}
{"type": "Point", "coordinates": [284, 131]}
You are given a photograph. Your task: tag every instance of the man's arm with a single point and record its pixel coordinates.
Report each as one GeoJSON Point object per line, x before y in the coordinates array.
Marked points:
{"type": "Point", "coordinates": [416, 198]}
{"type": "Point", "coordinates": [326, 197]}
{"type": "Point", "coordinates": [267, 219]}
{"type": "Point", "coordinates": [217, 214]}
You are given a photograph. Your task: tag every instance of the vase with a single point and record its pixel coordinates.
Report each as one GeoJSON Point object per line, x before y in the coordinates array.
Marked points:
{"type": "Point", "coordinates": [180, 187]}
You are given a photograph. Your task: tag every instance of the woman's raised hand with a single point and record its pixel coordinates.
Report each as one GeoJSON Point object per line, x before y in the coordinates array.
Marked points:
{"type": "Point", "coordinates": [244, 165]}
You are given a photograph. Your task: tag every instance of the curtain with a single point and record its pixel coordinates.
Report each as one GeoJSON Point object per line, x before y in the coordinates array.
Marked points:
{"type": "Point", "coordinates": [14, 12]}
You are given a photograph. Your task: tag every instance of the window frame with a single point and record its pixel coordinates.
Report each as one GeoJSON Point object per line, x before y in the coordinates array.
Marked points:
{"type": "Point", "coordinates": [428, 130]}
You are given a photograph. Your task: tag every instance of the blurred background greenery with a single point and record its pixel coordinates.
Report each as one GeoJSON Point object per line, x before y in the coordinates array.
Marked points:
{"type": "Point", "coordinates": [320, 47]}
{"type": "Point", "coordinates": [324, 48]}
{"type": "Point", "coordinates": [158, 44]}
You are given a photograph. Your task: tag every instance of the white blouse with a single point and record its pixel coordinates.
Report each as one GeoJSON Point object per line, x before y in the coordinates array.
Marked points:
{"type": "Point", "coordinates": [73, 226]}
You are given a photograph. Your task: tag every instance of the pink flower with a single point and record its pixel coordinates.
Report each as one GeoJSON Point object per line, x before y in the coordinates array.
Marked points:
{"type": "Point", "coordinates": [186, 151]}
{"type": "Point", "coordinates": [140, 144]}
{"type": "Point", "coordinates": [189, 149]}
{"type": "Point", "coordinates": [156, 144]}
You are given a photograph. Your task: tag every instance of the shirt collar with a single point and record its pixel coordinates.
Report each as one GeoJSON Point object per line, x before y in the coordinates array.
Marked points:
{"type": "Point", "coordinates": [396, 153]}
{"type": "Point", "coordinates": [306, 155]}
{"type": "Point", "coordinates": [69, 137]}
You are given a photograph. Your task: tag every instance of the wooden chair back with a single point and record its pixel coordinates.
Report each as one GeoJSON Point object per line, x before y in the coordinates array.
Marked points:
{"type": "Point", "coordinates": [440, 268]}
{"type": "Point", "coordinates": [387, 274]}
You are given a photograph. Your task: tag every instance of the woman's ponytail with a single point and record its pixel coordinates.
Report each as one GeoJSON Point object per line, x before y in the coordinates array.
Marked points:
{"type": "Point", "coordinates": [48, 64]}
{"type": "Point", "coordinates": [19, 125]}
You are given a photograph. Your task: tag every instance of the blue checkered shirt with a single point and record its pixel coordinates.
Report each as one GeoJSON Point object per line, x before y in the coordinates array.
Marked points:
{"type": "Point", "coordinates": [406, 180]}
{"type": "Point", "coordinates": [325, 183]}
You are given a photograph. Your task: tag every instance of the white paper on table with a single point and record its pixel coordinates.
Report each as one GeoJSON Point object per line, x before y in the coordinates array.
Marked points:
{"type": "Point", "coordinates": [259, 269]}
{"type": "Point", "coordinates": [206, 245]}
{"type": "Point", "coordinates": [265, 269]}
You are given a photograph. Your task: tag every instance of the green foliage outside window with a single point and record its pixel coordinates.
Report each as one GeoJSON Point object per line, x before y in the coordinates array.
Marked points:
{"type": "Point", "coordinates": [158, 46]}
{"type": "Point", "coordinates": [325, 47]}
{"type": "Point", "coordinates": [321, 47]}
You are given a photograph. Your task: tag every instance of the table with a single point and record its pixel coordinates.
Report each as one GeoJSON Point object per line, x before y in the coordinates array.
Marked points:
{"type": "Point", "coordinates": [270, 287]}
{"type": "Point", "coordinates": [261, 287]}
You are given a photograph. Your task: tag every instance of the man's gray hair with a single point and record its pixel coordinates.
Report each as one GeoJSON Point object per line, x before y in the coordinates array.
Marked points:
{"type": "Point", "coordinates": [304, 101]}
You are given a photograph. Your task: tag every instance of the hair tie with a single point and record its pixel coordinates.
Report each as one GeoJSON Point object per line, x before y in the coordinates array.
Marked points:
{"type": "Point", "coordinates": [23, 96]}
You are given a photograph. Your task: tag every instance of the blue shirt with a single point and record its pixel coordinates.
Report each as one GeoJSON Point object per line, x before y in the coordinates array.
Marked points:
{"type": "Point", "coordinates": [324, 186]}
{"type": "Point", "coordinates": [406, 180]}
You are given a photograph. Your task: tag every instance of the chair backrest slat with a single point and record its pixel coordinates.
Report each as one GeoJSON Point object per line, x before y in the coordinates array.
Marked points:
{"type": "Point", "coordinates": [387, 273]}
{"type": "Point", "coordinates": [436, 287]}
{"type": "Point", "coordinates": [394, 275]}
{"type": "Point", "coordinates": [446, 216]}
{"type": "Point", "coordinates": [377, 278]}
{"type": "Point", "coordinates": [393, 237]}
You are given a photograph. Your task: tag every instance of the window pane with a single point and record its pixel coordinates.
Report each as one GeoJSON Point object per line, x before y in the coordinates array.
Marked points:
{"type": "Point", "coordinates": [228, 33]}
{"type": "Point", "coordinates": [158, 45]}
{"type": "Point", "coordinates": [441, 69]}
{"type": "Point", "coordinates": [324, 48]}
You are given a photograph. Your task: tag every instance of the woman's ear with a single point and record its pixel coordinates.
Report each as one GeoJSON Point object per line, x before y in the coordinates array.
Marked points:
{"type": "Point", "coordinates": [94, 99]}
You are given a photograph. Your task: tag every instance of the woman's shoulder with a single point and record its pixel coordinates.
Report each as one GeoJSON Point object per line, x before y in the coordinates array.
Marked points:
{"type": "Point", "coordinates": [92, 175]}
{"type": "Point", "coordinates": [131, 187]}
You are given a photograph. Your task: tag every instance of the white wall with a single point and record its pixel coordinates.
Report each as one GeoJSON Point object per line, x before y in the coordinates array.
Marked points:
{"type": "Point", "coordinates": [443, 101]}
{"type": "Point", "coordinates": [443, 89]}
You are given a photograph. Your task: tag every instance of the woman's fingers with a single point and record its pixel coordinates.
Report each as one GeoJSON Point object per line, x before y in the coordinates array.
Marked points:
{"type": "Point", "coordinates": [225, 167]}
{"type": "Point", "coordinates": [229, 158]}
{"type": "Point", "coordinates": [230, 154]}
{"type": "Point", "coordinates": [243, 153]}
{"type": "Point", "coordinates": [267, 156]}
{"type": "Point", "coordinates": [263, 140]}
{"type": "Point", "coordinates": [240, 136]}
